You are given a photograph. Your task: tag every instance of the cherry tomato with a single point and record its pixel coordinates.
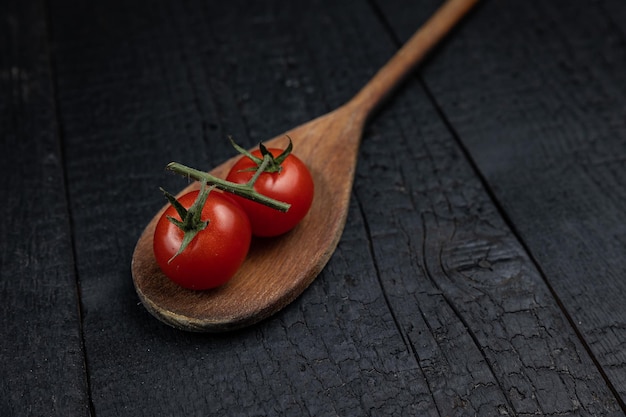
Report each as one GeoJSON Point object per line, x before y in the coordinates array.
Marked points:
{"type": "Point", "coordinates": [293, 184]}
{"type": "Point", "coordinates": [214, 254]}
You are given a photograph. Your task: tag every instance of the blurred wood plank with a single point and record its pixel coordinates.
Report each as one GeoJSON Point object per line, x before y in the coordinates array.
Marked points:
{"type": "Point", "coordinates": [41, 357]}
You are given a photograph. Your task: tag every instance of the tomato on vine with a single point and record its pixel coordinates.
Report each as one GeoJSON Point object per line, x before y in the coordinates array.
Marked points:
{"type": "Point", "coordinates": [284, 178]}
{"type": "Point", "coordinates": [201, 240]}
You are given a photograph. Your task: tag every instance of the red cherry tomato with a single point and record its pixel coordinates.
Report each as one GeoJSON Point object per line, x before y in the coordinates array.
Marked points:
{"type": "Point", "coordinates": [293, 185]}
{"type": "Point", "coordinates": [215, 253]}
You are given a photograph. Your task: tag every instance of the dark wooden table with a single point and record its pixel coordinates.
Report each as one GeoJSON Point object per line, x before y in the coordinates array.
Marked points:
{"type": "Point", "coordinates": [482, 271]}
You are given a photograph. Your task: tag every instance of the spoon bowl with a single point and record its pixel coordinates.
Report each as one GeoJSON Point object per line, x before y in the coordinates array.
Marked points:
{"type": "Point", "coordinates": [277, 270]}
{"type": "Point", "coordinates": [273, 274]}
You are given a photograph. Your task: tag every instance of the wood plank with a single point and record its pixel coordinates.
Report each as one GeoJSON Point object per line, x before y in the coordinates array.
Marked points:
{"type": "Point", "coordinates": [387, 328]}
{"type": "Point", "coordinates": [539, 103]}
{"type": "Point", "coordinates": [464, 293]}
{"type": "Point", "coordinates": [41, 357]}
{"type": "Point", "coordinates": [130, 109]}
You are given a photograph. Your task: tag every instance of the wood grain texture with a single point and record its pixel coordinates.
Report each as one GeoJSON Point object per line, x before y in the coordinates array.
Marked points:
{"type": "Point", "coordinates": [549, 139]}
{"type": "Point", "coordinates": [465, 295]}
{"type": "Point", "coordinates": [41, 357]}
{"type": "Point", "coordinates": [430, 305]}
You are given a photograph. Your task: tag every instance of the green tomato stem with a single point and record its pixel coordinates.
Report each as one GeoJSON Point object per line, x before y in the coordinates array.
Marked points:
{"type": "Point", "coordinates": [242, 190]}
{"type": "Point", "coordinates": [266, 160]}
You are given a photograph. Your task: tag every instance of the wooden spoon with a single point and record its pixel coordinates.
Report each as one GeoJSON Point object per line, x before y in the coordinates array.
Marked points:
{"type": "Point", "coordinates": [277, 270]}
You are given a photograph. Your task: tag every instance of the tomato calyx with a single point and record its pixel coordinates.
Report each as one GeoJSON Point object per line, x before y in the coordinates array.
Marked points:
{"type": "Point", "coordinates": [191, 222]}
{"type": "Point", "coordinates": [294, 184]}
{"type": "Point", "coordinates": [268, 162]}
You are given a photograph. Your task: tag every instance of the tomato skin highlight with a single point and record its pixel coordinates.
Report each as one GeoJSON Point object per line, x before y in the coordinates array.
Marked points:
{"type": "Point", "coordinates": [216, 252]}
{"type": "Point", "coordinates": [293, 185]}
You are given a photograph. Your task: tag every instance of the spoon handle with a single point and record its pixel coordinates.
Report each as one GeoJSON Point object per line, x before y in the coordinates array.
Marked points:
{"type": "Point", "coordinates": [411, 53]}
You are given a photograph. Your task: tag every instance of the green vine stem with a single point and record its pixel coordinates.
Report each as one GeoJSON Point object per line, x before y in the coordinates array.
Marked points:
{"type": "Point", "coordinates": [243, 190]}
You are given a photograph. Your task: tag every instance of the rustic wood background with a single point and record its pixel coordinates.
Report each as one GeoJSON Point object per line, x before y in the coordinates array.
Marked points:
{"type": "Point", "coordinates": [483, 267]}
